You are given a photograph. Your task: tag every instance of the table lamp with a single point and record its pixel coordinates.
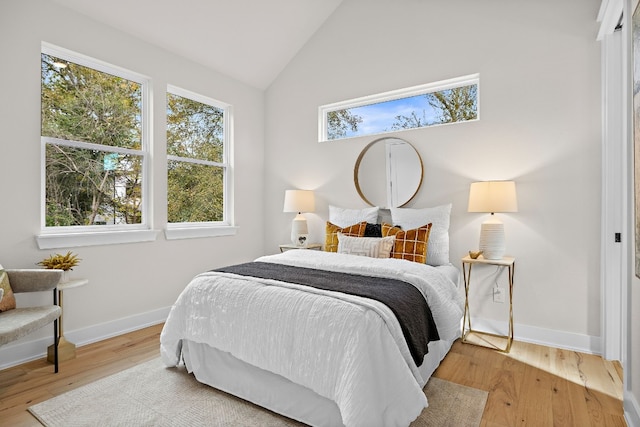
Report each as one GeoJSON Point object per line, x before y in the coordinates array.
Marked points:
{"type": "Point", "coordinates": [299, 201]}
{"type": "Point", "coordinates": [492, 197]}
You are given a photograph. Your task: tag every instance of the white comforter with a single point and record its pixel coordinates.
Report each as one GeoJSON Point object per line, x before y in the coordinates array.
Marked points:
{"type": "Point", "coordinates": [346, 348]}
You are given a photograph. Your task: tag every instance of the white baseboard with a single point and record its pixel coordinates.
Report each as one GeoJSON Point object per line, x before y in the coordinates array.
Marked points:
{"type": "Point", "coordinates": [24, 351]}
{"type": "Point", "coordinates": [631, 410]}
{"type": "Point", "coordinates": [547, 337]}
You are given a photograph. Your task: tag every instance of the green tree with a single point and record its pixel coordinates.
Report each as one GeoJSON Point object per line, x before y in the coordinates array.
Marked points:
{"type": "Point", "coordinates": [82, 104]}
{"type": "Point", "coordinates": [455, 105]}
{"type": "Point", "coordinates": [411, 121]}
{"type": "Point", "coordinates": [339, 122]}
{"type": "Point", "coordinates": [195, 132]}
{"type": "Point", "coordinates": [450, 105]}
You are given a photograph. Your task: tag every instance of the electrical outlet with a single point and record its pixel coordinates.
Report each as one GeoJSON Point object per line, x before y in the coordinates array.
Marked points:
{"type": "Point", "coordinates": [498, 294]}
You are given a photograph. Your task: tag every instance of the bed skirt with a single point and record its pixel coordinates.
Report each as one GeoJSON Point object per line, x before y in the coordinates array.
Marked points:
{"type": "Point", "coordinates": [225, 372]}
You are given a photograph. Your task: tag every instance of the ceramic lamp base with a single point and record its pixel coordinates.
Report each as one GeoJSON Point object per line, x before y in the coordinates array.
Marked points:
{"type": "Point", "coordinates": [299, 231]}
{"type": "Point", "coordinates": [492, 239]}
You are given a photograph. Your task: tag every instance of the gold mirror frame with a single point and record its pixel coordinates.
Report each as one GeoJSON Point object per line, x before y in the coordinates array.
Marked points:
{"type": "Point", "coordinates": [356, 169]}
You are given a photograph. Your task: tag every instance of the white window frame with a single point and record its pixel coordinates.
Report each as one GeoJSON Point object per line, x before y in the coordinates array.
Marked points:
{"type": "Point", "coordinates": [73, 236]}
{"type": "Point", "coordinates": [226, 227]}
{"type": "Point", "coordinates": [323, 110]}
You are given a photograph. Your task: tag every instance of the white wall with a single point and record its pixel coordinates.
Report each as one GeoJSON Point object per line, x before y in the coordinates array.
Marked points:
{"type": "Point", "coordinates": [540, 125]}
{"type": "Point", "coordinates": [130, 283]}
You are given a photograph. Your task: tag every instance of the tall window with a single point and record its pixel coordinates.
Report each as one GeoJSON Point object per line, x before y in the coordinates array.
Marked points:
{"type": "Point", "coordinates": [450, 101]}
{"type": "Point", "coordinates": [93, 139]}
{"type": "Point", "coordinates": [197, 154]}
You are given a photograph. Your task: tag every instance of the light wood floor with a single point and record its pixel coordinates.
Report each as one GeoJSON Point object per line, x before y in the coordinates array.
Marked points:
{"type": "Point", "coordinates": [531, 386]}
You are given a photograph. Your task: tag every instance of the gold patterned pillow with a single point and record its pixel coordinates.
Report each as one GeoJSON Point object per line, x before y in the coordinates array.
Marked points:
{"type": "Point", "coordinates": [8, 300]}
{"type": "Point", "coordinates": [332, 230]}
{"type": "Point", "coordinates": [409, 244]}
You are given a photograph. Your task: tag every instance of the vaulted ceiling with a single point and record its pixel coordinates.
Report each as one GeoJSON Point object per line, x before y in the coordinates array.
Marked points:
{"type": "Point", "coordinates": [249, 40]}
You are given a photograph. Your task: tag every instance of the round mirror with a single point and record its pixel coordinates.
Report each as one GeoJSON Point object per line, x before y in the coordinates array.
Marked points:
{"type": "Point", "coordinates": [388, 173]}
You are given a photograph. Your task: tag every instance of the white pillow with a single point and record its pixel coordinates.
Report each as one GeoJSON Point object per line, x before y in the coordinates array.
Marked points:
{"type": "Point", "coordinates": [373, 247]}
{"type": "Point", "coordinates": [345, 217]}
{"type": "Point", "coordinates": [439, 216]}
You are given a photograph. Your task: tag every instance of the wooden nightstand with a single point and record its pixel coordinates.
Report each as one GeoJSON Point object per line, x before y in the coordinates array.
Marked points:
{"type": "Point", "coordinates": [467, 332]}
{"type": "Point", "coordinates": [290, 246]}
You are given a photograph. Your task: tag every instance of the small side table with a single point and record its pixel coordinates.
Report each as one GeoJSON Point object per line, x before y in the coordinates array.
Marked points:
{"type": "Point", "coordinates": [467, 263]}
{"type": "Point", "coordinates": [291, 246]}
{"type": "Point", "coordinates": [66, 349]}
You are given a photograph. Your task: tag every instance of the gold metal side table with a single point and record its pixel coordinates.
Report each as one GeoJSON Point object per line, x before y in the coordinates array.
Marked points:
{"type": "Point", "coordinates": [467, 331]}
{"type": "Point", "coordinates": [66, 349]}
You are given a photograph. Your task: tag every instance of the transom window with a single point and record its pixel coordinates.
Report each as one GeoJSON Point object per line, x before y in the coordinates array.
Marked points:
{"type": "Point", "coordinates": [449, 101]}
{"type": "Point", "coordinates": [197, 158]}
{"type": "Point", "coordinates": [94, 143]}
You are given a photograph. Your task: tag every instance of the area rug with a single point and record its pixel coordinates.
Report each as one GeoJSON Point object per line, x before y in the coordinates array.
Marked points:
{"type": "Point", "coordinates": [151, 395]}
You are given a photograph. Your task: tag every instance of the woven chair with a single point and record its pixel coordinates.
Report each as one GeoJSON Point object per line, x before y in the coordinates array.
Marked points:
{"type": "Point", "coordinates": [21, 321]}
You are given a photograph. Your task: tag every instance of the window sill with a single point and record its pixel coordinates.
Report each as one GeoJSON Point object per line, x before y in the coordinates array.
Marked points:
{"type": "Point", "coordinates": [197, 232]}
{"type": "Point", "coordinates": [71, 240]}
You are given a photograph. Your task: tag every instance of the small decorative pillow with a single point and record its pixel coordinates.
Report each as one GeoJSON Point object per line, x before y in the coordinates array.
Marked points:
{"type": "Point", "coordinates": [345, 217]}
{"type": "Point", "coordinates": [439, 216]}
{"type": "Point", "coordinates": [7, 300]}
{"type": "Point", "coordinates": [332, 230]}
{"type": "Point", "coordinates": [373, 230]}
{"type": "Point", "coordinates": [410, 244]}
{"type": "Point", "coordinates": [373, 247]}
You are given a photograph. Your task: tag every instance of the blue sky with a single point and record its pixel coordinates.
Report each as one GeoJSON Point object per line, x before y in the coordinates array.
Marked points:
{"type": "Point", "coordinates": [378, 118]}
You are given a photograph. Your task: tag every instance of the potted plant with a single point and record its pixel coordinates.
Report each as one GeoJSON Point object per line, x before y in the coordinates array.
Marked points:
{"type": "Point", "coordinates": [61, 262]}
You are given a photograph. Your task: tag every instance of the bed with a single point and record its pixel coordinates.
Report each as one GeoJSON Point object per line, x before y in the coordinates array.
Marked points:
{"type": "Point", "coordinates": [315, 354]}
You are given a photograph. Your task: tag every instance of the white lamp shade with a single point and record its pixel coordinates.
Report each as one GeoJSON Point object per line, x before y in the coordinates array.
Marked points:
{"type": "Point", "coordinates": [493, 196]}
{"type": "Point", "coordinates": [299, 201]}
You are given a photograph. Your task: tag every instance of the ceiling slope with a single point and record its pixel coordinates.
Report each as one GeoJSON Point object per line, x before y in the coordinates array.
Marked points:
{"type": "Point", "coordinates": [249, 40]}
